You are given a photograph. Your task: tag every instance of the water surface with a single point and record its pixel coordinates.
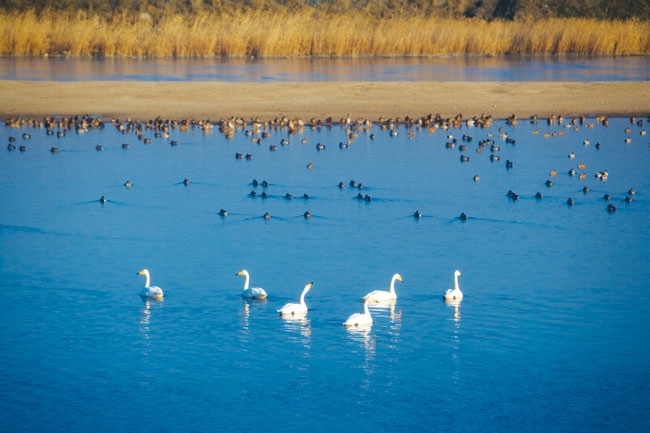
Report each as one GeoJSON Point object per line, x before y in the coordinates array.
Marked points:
{"type": "Point", "coordinates": [553, 333]}
{"type": "Point", "coordinates": [455, 68]}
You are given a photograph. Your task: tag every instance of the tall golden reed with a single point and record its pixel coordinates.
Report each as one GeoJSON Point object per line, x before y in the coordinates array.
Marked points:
{"type": "Point", "coordinates": [304, 34]}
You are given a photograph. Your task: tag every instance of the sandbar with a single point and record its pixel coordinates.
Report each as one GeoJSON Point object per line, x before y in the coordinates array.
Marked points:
{"type": "Point", "coordinates": [306, 100]}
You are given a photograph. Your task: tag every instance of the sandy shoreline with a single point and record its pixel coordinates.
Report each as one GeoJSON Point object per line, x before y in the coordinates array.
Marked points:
{"type": "Point", "coordinates": [214, 100]}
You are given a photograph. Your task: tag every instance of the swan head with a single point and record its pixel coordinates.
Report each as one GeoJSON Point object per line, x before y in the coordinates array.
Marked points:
{"type": "Point", "coordinates": [143, 272]}
{"type": "Point", "coordinates": [242, 272]}
{"type": "Point", "coordinates": [398, 277]}
{"type": "Point", "coordinates": [457, 274]}
{"type": "Point", "coordinates": [308, 286]}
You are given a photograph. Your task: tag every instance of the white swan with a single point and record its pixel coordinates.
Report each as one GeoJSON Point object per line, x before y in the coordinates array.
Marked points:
{"type": "Point", "coordinates": [150, 291]}
{"type": "Point", "coordinates": [456, 294]}
{"type": "Point", "coordinates": [296, 309]}
{"type": "Point", "coordinates": [382, 295]}
{"type": "Point", "coordinates": [360, 319]}
{"type": "Point", "coordinates": [253, 292]}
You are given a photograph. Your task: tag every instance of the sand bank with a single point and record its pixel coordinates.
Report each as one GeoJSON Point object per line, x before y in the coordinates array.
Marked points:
{"type": "Point", "coordinates": [214, 100]}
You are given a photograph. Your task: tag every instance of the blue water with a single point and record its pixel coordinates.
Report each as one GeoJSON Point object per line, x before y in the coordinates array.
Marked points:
{"type": "Point", "coordinates": [552, 335]}
{"type": "Point", "coordinates": [455, 68]}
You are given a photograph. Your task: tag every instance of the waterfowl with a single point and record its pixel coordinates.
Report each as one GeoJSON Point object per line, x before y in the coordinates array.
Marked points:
{"type": "Point", "coordinates": [310, 166]}
{"type": "Point", "coordinates": [341, 185]}
{"type": "Point", "coordinates": [10, 147]}
{"type": "Point", "coordinates": [186, 181]}
{"type": "Point", "coordinates": [360, 186]}
{"type": "Point", "coordinates": [367, 198]}
{"type": "Point", "coordinates": [585, 142]}
{"type": "Point", "coordinates": [99, 147]}
{"type": "Point", "coordinates": [582, 166]}
{"type": "Point", "coordinates": [611, 208]}
{"type": "Point", "coordinates": [300, 309]}
{"type": "Point", "coordinates": [304, 141]}
{"type": "Point", "coordinates": [476, 178]}
{"type": "Point", "coordinates": [266, 216]}
{"type": "Point", "coordinates": [22, 148]}
{"type": "Point", "coordinates": [265, 184]}
{"type": "Point", "coordinates": [12, 139]}
{"type": "Point", "coordinates": [239, 155]}
{"type": "Point", "coordinates": [353, 184]}
{"type": "Point", "coordinates": [102, 199]}
{"type": "Point", "coordinates": [538, 195]}
{"type": "Point", "coordinates": [417, 214]}
{"type": "Point", "coordinates": [382, 295]}
{"type": "Point", "coordinates": [223, 212]}
{"type": "Point", "coordinates": [127, 184]}
{"type": "Point", "coordinates": [548, 183]}
{"type": "Point", "coordinates": [307, 215]}
{"type": "Point", "coordinates": [598, 146]}
{"type": "Point", "coordinates": [494, 158]}
{"type": "Point", "coordinates": [509, 164]}
{"type": "Point", "coordinates": [173, 143]}
{"type": "Point", "coordinates": [288, 196]}
{"type": "Point", "coordinates": [255, 183]}
{"type": "Point", "coordinates": [343, 145]}
{"type": "Point", "coordinates": [569, 202]}
{"type": "Point", "coordinates": [273, 148]}
{"type": "Point", "coordinates": [583, 176]}
{"type": "Point", "coordinates": [249, 156]}
{"type": "Point", "coordinates": [26, 136]}
{"type": "Point", "coordinates": [631, 191]}
{"type": "Point", "coordinates": [455, 294]}
{"type": "Point", "coordinates": [264, 194]}
{"type": "Point", "coordinates": [553, 173]}
{"type": "Point", "coordinates": [607, 197]}
{"type": "Point", "coordinates": [628, 199]}
{"type": "Point", "coordinates": [462, 147]}
{"type": "Point", "coordinates": [320, 146]}
{"type": "Point", "coordinates": [464, 158]}
{"type": "Point", "coordinates": [54, 150]}
{"type": "Point", "coordinates": [572, 155]}
{"type": "Point", "coordinates": [252, 292]}
{"type": "Point", "coordinates": [372, 136]}
{"type": "Point", "coordinates": [463, 217]}
{"type": "Point", "coordinates": [360, 319]}
{"type": "Point", "coordinates": [150, 291]}
{"type": "Point", "coordinates": [125, 146]}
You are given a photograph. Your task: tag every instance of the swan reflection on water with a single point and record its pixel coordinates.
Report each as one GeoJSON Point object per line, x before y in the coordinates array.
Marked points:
{"type": "Point", "coordinates": [456, 305]}
{"type": "Point", "coordinates": [381, 307]}
{"type": "Point", "coordinates": [298, 325]}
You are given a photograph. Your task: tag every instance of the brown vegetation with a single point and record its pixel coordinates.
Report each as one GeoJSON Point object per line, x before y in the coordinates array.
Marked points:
{"type": "Point", "coordinates": [305, 33]}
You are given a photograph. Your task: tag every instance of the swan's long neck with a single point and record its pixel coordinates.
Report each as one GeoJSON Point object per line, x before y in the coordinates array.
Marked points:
{"type": "Point", "coordinates": [247, 281]}
{"type": "Point", "coordinates": [456, 282]}
{"type": "Point", "coordinates": [304, 292]}
{"type": "Point", "coordinates": [392, 285]}
{"type": "Point", "coordinates": [146, 283]}
{"type": "Point", "coordinates": [366, 311]}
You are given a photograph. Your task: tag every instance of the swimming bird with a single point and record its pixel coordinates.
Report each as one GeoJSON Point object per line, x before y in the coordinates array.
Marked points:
{"type": "Point", "coordinates": [382, 295]}
{"type": "Point", "coordinates": [150, 291]}
{"type": "Point", "coordinates": [127, 184]}
{"type": "Point", "coordinates": [569, 201]}
{"type": "Point", "coordinates": [102, 199]}
{"type": "Point", "coordinates": [463, 217]}
{"type": "Point", "coordinates": [186, 181]}
{"type": "Point", "coordinates": [417, 214]}
{"type": "Point", "coordinates": [253, 292]}
{"type": "Point", "coordinates": [456, 294]}
{"type": "Point", "coordinates": [307, 215]}
{"type": "Point", "coordinates": [300, 309]}
{"type": "Point", "coordinates": [223, 212]}
{"type": "Point", "coordinates": [360, 319]}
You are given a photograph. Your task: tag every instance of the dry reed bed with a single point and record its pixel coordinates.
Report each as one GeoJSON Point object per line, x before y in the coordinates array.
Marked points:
{"type": "Point", "coordinates": [303, 34]}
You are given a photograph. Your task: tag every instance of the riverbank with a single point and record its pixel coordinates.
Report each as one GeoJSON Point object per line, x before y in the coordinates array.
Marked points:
{"type": "Point", "coordinates": [214, 100]}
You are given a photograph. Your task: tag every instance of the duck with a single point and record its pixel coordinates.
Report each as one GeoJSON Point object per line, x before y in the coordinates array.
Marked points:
{"type": "Point", "coordinates": [569, 201]}
{"type": "Point", "coordinates": [382, 295]}
{"type": "Point", "coordinates": [127, 184]}
{"type": "Point", "coordinates": [150, 291]}
{"type": "Point", "coordinates": [341, 185]}
{"type": "Point", "coordinates": [463, 216]}
{"type": "Point", "coordinates": [607, 197]}
{"type": "Point", "coordinates": [360, 319]}
{"type": "Point", "coordinates": [102, 199]}
{"type": "Point", "coordinates": [307, 215]}
{"type": "Point", "coordinates": [538, 195]}
{"type": "Point", "coordinates": [455, 294]}
{"type": "Point", "coordinates": [300, 309]}
{"type": "Point", "coordinates": [611, 208]}
{"type": "Point", "coordinates": [476, 178]}
{"type": "Point", "coordinates": [252, 292]}
{"type": "Point", "coordinates": [266, 216]}
{"type": "Point", "coordinates": [186, 181]}
{"type": "Point", "coordinates": [223, 212]}
{"type": "Point", "coordinates": [417, 214]}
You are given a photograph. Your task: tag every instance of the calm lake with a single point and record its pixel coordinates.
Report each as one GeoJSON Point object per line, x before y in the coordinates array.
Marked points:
{"type": "Point", "coordinates": [454, 68]}
{"type": "Point", "coordinates": [552, 335]}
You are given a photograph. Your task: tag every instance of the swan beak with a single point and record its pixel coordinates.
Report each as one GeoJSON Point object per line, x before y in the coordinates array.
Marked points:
{"type": "Point", "coordinates": [139, 273]}
{"type": "Point", "coordinates": [238, 273]}
{"type": "Point", "coordinates": [401, 279]}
